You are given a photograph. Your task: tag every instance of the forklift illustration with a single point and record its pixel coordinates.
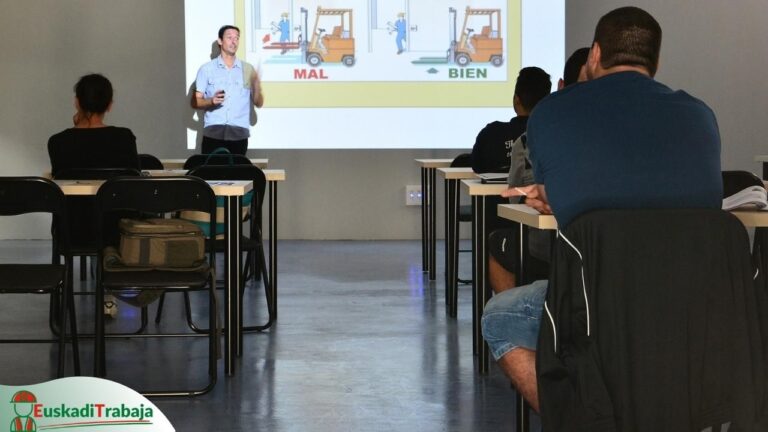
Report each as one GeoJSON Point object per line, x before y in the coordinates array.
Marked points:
{"type": "Point", "coordinates": [338, 46]}
{"type": "Point", "coordinates": [487, 46]}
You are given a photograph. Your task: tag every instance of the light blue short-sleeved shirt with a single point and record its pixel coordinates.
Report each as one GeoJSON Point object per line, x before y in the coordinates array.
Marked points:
{"type": "Point", "coordinates": [236, 109]}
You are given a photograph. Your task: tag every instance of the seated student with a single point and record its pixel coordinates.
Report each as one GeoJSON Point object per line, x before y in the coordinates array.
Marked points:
{"type": "Point", "coordinates": [639, 145]}
{"type": "Point", "coordinates": [491, 151]}
{"type": "Point", "coordinates": [502, 257]}
{"type": "Point", "coordinates": [91, 143]}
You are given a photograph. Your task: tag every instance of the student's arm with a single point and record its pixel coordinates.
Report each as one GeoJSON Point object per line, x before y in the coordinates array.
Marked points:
{"type": "Point", "coordinates": [535, 196]}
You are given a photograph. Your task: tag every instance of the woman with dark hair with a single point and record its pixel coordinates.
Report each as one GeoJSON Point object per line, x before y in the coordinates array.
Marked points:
{"type": "Point", "coordinates": [91, 143]}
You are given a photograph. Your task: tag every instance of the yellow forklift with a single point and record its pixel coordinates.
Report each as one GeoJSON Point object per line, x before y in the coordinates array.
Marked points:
{"type": "Point", "coordinates": [487, 46]}
{"type": "Point", "coordinates": [338, 46]}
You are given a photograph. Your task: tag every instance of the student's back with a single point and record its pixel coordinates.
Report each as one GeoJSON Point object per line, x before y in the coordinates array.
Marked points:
{"type": "Point", "coordinates": [625, 141]}
{"type": "Point", "coordinates": [102, 147]}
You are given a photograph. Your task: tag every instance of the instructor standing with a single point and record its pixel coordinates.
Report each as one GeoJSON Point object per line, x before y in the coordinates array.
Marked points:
{"type": "Point", "coordinates": [226, 87]}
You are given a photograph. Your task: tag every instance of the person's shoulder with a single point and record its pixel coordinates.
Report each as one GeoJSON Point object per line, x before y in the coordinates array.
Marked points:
{"type": "Point", "coordinates": [60, 137]}
{"type": "Point", "coordinates": [122, 132]}
{"type": "Point", "coordinates": [207, 66]}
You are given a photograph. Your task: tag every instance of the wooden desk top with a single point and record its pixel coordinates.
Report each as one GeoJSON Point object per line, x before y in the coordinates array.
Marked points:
{"type": "Point", "coordinates": [179, 163]}
{"type": "Point", "coordinates": [434, 163]}
{"type": "Point", "coordinates": [752, 218]}
{"type": "Point", "coordinates": [476, 188]}
{"type": "Point", "coordinates": [525, 215]}
{"type": "Point", "coordinates": [270, 174]}
{"type": "Point", "coordinates": [457, 173]}
{"type": "Point", "coordinates": [90, 187]}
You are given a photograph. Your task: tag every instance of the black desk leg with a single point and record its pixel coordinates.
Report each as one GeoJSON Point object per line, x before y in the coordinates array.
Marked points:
{"type": "Point", "coordinates": [273, 245]}
{"type": "Point", "coordinates": [433, 223]}
{"type": "Point", "coordinates": [765, 170]}
{"type": "Point", "coordinates": [481, 290]}
{"type": "Point", "coordinates": [451, 246]}
{"type": "Point", "coordinates": [233, 304]}
{"type": "Point", "coordinates": [424, 230]}
{"type": "Point", "coordinates": [522, 408]}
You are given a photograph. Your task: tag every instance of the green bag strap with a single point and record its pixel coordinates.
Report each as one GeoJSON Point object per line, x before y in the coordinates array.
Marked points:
{"type": "Point", "coordinates": [247, 73]}
{"type": "Point", "coordinates": [218, 151]}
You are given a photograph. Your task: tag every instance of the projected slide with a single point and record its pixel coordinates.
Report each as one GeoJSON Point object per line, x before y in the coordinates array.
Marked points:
{"type": "Point", "coordinates": [380, 73]}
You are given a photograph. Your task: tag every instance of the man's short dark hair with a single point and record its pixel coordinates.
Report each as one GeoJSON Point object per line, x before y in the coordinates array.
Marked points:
{"type": "Point", "coordinates": [94, 93]}
{"type": "Point", "coordinates": [532, 85]}
{"type": "Point", "coordinates": [629, 36]}
{"type": "Point", "coordinates": [573, 66]}
{"type": "Point", "coordinates": [225, 28]}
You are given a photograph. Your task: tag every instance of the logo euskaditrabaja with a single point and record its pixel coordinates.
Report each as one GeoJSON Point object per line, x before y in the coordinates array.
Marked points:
{"type": "Point", "coordinates": [28, 411]}
{"type": "Point", "coordinates": [79, 404]}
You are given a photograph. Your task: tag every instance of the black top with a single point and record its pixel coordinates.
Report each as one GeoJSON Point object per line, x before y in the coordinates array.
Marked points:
{"type": "Point", "coordinates": [493, 145]}
{"type": "Point", "coordinates": [107, 147]}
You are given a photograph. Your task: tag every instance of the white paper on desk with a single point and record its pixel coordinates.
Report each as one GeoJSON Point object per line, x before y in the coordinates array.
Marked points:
{"type": "Point", "coordinates": [753, 197]}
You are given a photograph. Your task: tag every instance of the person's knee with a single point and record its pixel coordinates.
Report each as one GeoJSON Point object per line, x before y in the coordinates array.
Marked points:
{"type": "Point", "coordinates": [511, 319]}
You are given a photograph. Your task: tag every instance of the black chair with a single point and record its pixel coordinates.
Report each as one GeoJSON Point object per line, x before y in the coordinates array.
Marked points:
{"type": "Point", "coordinates": [23, 195]}
{"type": "Point", "coordinates": [198, 160]}
{"type": "Point", "coordinates": [252, 244]}
{"type": "Point", "coordinates": [464, 160]}
{"type": "Point", "coordinates": [149, 162]}
{"type": "Point", "coordinates": [155, 195]}
{"type": "Point", "coordinates": [652, 322]}
{"type": "Point", "coordinates": [80, 209]}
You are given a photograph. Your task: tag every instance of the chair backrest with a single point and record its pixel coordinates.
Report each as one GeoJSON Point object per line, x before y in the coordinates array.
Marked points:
{"type": "Point", "coordinates": [236, 172]}
{"type": "Point", "coordinates": [735, 181]}
{"type": "Point", "coordinates": [153, 195]}
{"type": "Point", "coordinates": [197, 160]}
{"type": "Point", "coordinates": [149, 162]}
{"type": "Point", "coordinates": [463, 160]}
{"type": "Point", "coordinates": [95, 173]}
{"type": "Point", "coordinates": [22, 195]}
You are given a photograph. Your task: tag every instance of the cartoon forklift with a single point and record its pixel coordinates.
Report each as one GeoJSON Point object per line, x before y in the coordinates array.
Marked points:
{"type": "Point", "coordinates": [338, 46]}
{"type": "Point", "coordinates": [488, 46]}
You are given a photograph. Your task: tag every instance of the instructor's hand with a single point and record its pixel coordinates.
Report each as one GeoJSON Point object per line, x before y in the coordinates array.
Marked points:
{"type": "Point", "coordinates": [218, 98]}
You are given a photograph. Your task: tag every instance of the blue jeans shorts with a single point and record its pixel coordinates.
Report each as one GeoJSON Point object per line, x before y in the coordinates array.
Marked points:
{"type": "Point", "coordinates": [511, 318]}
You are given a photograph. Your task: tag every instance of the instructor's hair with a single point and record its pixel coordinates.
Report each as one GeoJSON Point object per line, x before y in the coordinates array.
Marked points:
{"type": "Point", "coordinates": [629, 36]}
{"type": "Point", "coordinates": [225, 28]}
{"type": "Point", "coordinates": [573, 66]}
{"type": "Point", "coordinates": [532, 85]}
{"type": "Point", "coordinates": [94, 94]}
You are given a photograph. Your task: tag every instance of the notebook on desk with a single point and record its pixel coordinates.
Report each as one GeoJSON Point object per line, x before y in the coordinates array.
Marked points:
{"type": "Point", "coordinates": [493, 178]}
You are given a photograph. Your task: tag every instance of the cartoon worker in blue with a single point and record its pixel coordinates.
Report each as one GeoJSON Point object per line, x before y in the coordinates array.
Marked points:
{"type": "Point", "coordinates": [400, 28]}
{"type": "Point", "coordinates": [284, 27]}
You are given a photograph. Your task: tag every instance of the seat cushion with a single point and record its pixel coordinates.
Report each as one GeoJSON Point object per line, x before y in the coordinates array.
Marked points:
{"type": "Point", "coordinates": [30, 278]}
{"type": "Point", "coordinates": [159, 279]}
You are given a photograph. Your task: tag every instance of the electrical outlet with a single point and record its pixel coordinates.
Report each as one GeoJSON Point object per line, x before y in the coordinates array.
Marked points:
{"type": "Point", "coordinates": [413, 195]}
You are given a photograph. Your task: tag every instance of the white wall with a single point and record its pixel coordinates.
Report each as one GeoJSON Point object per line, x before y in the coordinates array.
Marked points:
{"type": "Point", "coordinates": [139, 45]}
{"type": "Point", "coordinates": [714, 50]}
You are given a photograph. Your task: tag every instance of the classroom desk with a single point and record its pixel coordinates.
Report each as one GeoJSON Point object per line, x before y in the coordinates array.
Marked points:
{"type": "Point", "coordinates": [764, 160]}
{"type": "Point", "coordinates": [429, 211]}
{"type": "Point", "coordinates": [452, 177]}
{"type": "Point", "coordinates": [273, 177]}
{"type": "Point", "coordinates": [233, 307]}
{"type": "Point", "coordinates": [171, 164]}
{"type": "Point", "coordinates": [481, 290]}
